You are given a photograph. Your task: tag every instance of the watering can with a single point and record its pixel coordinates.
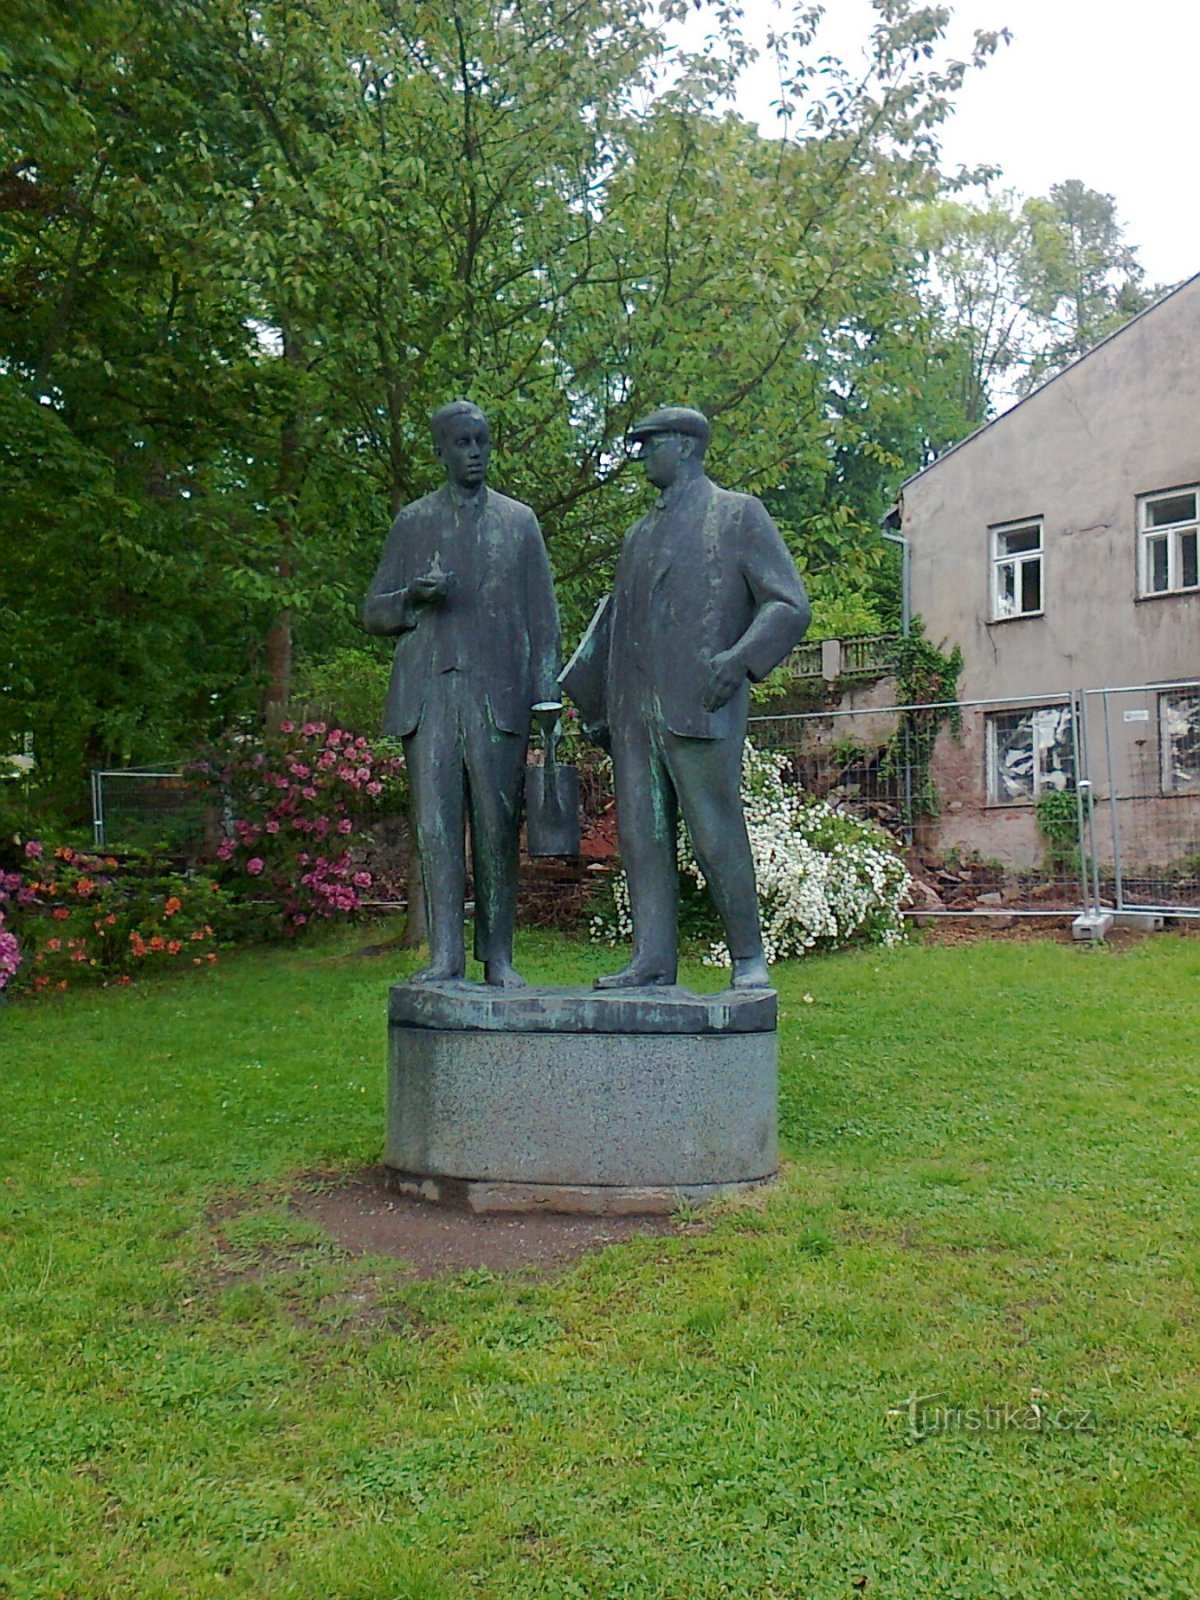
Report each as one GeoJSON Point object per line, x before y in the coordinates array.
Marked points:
{"type": "Point", "coordinates": [551, 793]}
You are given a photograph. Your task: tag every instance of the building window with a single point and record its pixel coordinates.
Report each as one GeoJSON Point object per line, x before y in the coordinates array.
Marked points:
{"type": "Point", "coordinates": [1179, 741]}
{"type": "Point", "coordinates": [1169, 542]}
{"type": "Point", "coordinates": [1029, 753]}
{"type": "Point", "coordinates": [1017, 570]}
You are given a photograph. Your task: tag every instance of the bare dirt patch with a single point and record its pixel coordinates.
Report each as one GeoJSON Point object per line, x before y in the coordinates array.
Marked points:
{"type": "Point", "coordinates": [363, 1217]}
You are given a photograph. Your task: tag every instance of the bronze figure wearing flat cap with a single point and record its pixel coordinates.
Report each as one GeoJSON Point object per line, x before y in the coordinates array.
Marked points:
{"type": "Point", "coordinates": [706, 598]}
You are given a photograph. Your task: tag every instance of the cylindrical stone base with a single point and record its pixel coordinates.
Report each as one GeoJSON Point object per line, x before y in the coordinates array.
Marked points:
{"type": "Point", "coordinates": [569, 1101]}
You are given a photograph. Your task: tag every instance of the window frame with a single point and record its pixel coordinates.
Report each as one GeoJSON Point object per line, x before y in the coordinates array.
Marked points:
{"type": "Point", "coordinates": [1018, 560]}
{"type": "Point", "coordinates": [1040, 786]}
{"type": "Point", "coordinates": [1172, 534]}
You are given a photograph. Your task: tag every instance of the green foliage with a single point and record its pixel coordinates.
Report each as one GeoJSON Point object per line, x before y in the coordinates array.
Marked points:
{"type": "Point", "coordinates": [242, 256]}
{"type": "Point", "coordinates": [346, 689]}
{"type": "Point", "coordinates": [927, 684]}
{"type": "Point", "coordinates": [1057, 814]}
{"type": "Point", "coordinates": [205, 1394]}
{"type": "Point", "coordinates": [1027, 285]}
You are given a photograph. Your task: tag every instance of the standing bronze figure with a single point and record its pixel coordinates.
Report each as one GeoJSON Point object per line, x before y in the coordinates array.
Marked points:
{"type": "Point", "coordinates": [464, 584]}
{"type": "Point", "coordinates": [706, 598]}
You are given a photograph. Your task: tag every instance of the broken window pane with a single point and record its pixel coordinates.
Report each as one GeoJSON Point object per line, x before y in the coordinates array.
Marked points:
{"type": "Point", "coordinates": [1179, 732]}
{"type": "Point", "coordinates": [1030, 752]}
{"type": "Point", "coordinates": [1006, 589]}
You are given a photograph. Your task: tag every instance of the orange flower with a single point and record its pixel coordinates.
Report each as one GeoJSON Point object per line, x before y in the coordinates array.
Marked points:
{"type": "Point", "coordinates": [173, 905]}
{"type": "Point", "coordinates": [62, 983]}
{"type": "Point", "coordinates": [111, 861]}
{"type": "Point", "coordinates": [40, 983]}
{"type": "Point", "coordinates": [196, 961]}
{"type": "Point", "coordinates": [84, 887]}
{"type": "Point", "coordinates": [212, 955]}
{"type": "Point", "coordinates": [53, 944]}
{"type": "Point", "coordinates": [157, 942]}
{"type": "Point", "coordinates": [65, 853]}
{"type": "Point", "coordinates": [123, 980]}
{"type": "Point", "coordinates": [173, 947]}
{"type": "Point", "coordinates": [60, 913]}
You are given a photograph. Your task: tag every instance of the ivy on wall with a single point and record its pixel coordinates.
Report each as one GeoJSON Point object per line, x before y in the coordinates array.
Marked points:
{"type": "Point", "coordinates": [927, 683]}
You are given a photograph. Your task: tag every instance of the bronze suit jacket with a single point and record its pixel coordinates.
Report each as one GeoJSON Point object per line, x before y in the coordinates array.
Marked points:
{"type": "Point", "coordinates": [499, 624]}
{"type": "Point", "coordinates": [705, 570]}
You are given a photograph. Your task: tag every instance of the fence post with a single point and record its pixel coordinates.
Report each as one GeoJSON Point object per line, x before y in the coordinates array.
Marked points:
{"type": "Point", "coordinates": [1082, 791]}
{"type": "Point", "coordinates": [1113, 808]}
{"type": "Point", "coordinates": [97, 808]}
{"type": "Point", "coordinates": [1090, 808]}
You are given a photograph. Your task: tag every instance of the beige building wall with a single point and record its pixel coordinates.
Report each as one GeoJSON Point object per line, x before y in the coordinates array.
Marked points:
{"type": "Point", "coordinates": [1122, 422]}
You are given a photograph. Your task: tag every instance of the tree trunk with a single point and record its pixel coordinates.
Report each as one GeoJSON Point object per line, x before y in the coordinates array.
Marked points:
{"type": "Point", "coordinates": [287, 484]}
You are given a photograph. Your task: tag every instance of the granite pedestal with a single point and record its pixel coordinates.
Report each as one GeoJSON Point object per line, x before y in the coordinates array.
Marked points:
{"type": "Point", "coordinates": [576, 1100]}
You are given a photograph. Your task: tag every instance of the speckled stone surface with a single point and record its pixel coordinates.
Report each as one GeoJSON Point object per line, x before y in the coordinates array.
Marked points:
{"type": "Point", "coordinates": [576, 1116]}
{"type": "Point", "coordinates": [667, 1010]}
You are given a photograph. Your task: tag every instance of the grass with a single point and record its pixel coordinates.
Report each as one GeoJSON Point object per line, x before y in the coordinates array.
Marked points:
{"type": "Point", "coordinates": [990, 1196]}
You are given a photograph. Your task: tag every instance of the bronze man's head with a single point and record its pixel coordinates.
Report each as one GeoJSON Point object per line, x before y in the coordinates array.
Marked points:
{"type": "Point", "coordinates": [669, 439]}
{"type": "Point", "coordinates": [462, 442]}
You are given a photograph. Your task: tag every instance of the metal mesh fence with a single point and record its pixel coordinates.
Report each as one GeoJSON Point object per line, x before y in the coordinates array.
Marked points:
{"type": "Point", "coordinates": [145, 808]}
{"type": "Point", "coordinates": [1054, 803]}
{"type": "Point", "coordinates": [1143, 747]}
{"type": "Point", "coordinates": [1047, 804]}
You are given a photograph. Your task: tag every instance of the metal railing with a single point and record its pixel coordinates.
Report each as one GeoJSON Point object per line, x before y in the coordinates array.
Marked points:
{"type": "Point", "coordinates": [857, 656]}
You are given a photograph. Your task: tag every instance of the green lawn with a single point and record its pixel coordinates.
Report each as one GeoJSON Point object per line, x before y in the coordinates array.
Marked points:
{"type": "Point", "coordinates": [991, 1196]}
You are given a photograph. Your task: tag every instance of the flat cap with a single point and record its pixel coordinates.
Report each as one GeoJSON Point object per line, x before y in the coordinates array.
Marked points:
{"type": "Point", "coordinates": [673, 419]}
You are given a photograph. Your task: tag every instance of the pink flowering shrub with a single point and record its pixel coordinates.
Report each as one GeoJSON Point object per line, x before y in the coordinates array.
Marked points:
{"type": "Point", "coordinates": [10, 953]}
{"type": "Point", "coordinates": [68, 916]}
{"type": "Point", "coordinates": [294, 805]}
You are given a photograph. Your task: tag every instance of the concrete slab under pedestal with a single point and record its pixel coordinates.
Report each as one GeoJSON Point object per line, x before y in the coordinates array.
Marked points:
{"type": "Point", "coordinates": [574, 1100]}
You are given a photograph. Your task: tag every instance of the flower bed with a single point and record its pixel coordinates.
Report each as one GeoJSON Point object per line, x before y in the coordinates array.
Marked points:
{"type": "Point", "coordinates": [68, 917]}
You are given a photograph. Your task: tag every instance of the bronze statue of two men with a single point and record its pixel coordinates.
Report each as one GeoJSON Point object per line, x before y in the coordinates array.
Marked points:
{"type": "Point", "coordinates": [706, 599]}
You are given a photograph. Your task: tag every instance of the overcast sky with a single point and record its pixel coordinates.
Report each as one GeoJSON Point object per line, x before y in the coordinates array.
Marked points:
{"type": "Point", "coordinates": [1087, 89]}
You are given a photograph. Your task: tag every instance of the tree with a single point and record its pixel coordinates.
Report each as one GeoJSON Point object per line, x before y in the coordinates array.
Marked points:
{"type": "Point", "coordinates": [245, 248]}
{"type": "Point", "coordinates": [1081, 278]}
{"type": "Point", "coordinates": [1027, 286]}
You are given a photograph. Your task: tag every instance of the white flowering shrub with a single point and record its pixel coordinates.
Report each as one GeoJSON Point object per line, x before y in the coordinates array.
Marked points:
{"type": "Point", "coordinates": [825, 879]}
